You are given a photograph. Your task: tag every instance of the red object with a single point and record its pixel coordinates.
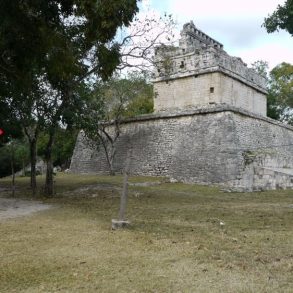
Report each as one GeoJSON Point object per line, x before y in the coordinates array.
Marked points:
{"type": "Point", "coordinates": [1, 131]}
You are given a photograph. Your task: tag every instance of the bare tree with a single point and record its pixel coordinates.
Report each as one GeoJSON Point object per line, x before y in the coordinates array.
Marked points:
{"type": "Point", "coordinates": [146, 32]}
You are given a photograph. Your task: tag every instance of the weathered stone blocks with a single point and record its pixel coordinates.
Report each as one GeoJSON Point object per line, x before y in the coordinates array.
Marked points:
{"type": "Point", "coordinates": [203, 146]}
{"type": "Point", "coordinates": [199, 72]}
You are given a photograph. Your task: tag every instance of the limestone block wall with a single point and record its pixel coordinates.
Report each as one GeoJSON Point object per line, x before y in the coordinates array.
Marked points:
{"type": "Point", "coordinates": [212, 88]}
{"type": "Point", "coordinates": [267, 149]}
{"type": "Point", "coordinates": [186, 147]}
{"type": "Point", "coordinates": [219, 145]}
{"type": "Point", "coordinates": [187, 92]}
{"type": "Point", "coordinates": [241, 96]}
{"type": "Point", "coordinates": [175, 62]}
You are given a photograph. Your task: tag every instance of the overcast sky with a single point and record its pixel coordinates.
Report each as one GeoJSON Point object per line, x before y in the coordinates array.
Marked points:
{"type": "Point", "coordinates": [236, 24]}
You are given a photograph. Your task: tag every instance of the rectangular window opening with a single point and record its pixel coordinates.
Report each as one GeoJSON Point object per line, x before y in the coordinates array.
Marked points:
{"type": "Point", "coordinates": [212, 89]}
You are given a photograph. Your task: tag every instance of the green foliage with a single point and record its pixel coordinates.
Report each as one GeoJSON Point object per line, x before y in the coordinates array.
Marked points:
{"type": "Point", "coordinates": [48, 49]}
{"type": "Point", "coordinates": [261, 67]}
{"type": "Point", "coordinates": [274, 108]}
{"type": "Point", "coordinates": [11, 126]}
{"type": "Point", "coordinates": [142, 104]}
{"type": "Point", "coordinates": [20, 153]}
{"type": "Point", "coordinates": [127, 97]}
{"type": "Point", "coordinates": [5, 166]}
{"type": "Point", "coordinates": [280, 97]}
{"type": "Point", "coordinates": [282, 82]}
{"type": "Point", "coordinates": [282, 18]}
{"type": "Point", "coordinates": [280, 90]}
{"type": "Point", "coordinates": [55, 36]}
{"type": "Point", "coordinates": [63, 146]}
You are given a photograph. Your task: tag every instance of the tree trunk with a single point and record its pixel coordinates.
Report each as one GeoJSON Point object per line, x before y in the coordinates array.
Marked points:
{"type": "Point", "coordinates": [12, 170]}
{"type": "Point", "coordinates": [33, 159]}
{"type": "Point", "coordinates": [111, 160]}
{"type": "Point", "coordinates": [23, 168]}
{"type": "Point", "coordinates": [109, 145]}
{"type": "Point", "coordinates": [49, 184]}
{"type": "Point", "coordinates": [109, 154]}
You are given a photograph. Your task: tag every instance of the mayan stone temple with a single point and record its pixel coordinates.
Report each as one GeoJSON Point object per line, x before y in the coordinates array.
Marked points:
{"type": "Point", "coordinates": [209, 124]}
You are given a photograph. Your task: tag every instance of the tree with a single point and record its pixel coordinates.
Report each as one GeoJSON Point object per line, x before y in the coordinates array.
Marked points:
{"type": "Point", "coordinates": [281, 18]}
{"type": "Point", "coordinates": [280, 97]}
{"type": "Point", "coordinates": [280, 90]}
{"type": "Point", "coordinates": [122, 98]}
{"type": "Point", "coordinates": [52, 47]}
{"type": "Point", "coordinates": [261, 67]}
{"type": "Point", "coordinates": [139, 40]}
{"type": "Point", "coordinates": [62, 148]}
{"type": "Point", "coordinates": [22, 154]}
{"type": "Point", "coordinates": [13, 156]}
{"type": "Point", "coordinates": [11, 126]}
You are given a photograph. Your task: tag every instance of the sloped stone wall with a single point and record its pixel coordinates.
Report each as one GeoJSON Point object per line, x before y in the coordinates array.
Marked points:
{"type": "Point", "coordinates": [213, 145]}
{"type": "Point", "coordinates": [267, 149]}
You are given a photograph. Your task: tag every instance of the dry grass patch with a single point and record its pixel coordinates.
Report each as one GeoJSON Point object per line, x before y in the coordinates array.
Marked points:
{"type": "Point", "coordinates": [175, 244]}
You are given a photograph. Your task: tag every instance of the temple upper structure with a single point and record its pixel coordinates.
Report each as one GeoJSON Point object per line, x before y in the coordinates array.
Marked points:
{"type": "Point", "coordinates": [200, 73]}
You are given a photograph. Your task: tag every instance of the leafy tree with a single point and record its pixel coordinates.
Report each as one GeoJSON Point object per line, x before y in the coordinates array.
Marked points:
{"type": "Point", "coordinates": [48, 49]}
{"type": "Point", "coordinates": [280, 90]}
{"type": "Point", "coordinates": [5, 161]}
{"type": "Point", "coordinates": [281, 18]}
{"type": "Point", "coordinates": [62, 148]}
{"type": "Point", "coordinates": [121, 98]}
{"type": "Point", "coordinates": [22, 155]}
{"type": "Point", "coordinates": [261, 67]}
{"type": "Point", "coordinates": [280, 97]}
{"type": "Point", "coordinates": [11, 126]}
{"type": "Point", "coordinates": [16, 149]}
{"type": "Point", "coordinates": [141, 97]}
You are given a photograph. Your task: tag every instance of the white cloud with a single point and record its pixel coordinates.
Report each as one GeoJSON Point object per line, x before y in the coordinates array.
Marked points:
{"type": "Point", "coordinates": [223, 8]}
{"type": "Point", "coordinates": [236, 24]}
{"type": "Point", "coordinates": [273, 53]}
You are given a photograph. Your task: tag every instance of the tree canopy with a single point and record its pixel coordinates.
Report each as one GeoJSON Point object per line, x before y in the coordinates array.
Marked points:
{"type": "Point", "coordinates": [280, 90]}
{"type": "Point", "coordinates": [48, 48]}
{"type": "Point", "coordinates": [281, 18]}
{"type": "Point", "coordinates": [280, 97]}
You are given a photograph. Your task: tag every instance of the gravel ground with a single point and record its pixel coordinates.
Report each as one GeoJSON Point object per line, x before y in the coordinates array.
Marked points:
{"type": "Point", "coordinates": [12, 208]}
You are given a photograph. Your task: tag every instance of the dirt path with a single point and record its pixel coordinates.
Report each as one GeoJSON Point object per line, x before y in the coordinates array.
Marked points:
{"type": "Point", "coordinates": [12, 208]}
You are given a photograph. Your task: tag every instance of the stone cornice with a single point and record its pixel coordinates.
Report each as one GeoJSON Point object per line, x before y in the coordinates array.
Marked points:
{"type": "Point", "coordinates": [213, 69]}
{"type": "Point", "coordinates": [203, 111]}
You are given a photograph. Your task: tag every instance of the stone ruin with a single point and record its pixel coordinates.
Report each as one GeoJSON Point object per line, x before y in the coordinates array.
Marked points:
{"type": "Point", "coordinates": [209, 125]}
{"type": "Point", "coordinates": [200, 73]}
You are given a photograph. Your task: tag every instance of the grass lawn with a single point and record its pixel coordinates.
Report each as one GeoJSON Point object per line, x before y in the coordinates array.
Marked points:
{"type": "Point", "coordinates": [175, 243]}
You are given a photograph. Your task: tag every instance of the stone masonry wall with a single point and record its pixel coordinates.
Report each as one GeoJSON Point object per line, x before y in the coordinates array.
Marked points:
{"type": "Point", "coordinates": [213, 88]}
{"type": "Point", "coordinates": [181, 147]}
{"type": "Point", "coordinates": [203, 146]}
{"type": "Point", "coordinates": [267, 149]}
{"type": "Point", "coordinates": [200, 72]}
